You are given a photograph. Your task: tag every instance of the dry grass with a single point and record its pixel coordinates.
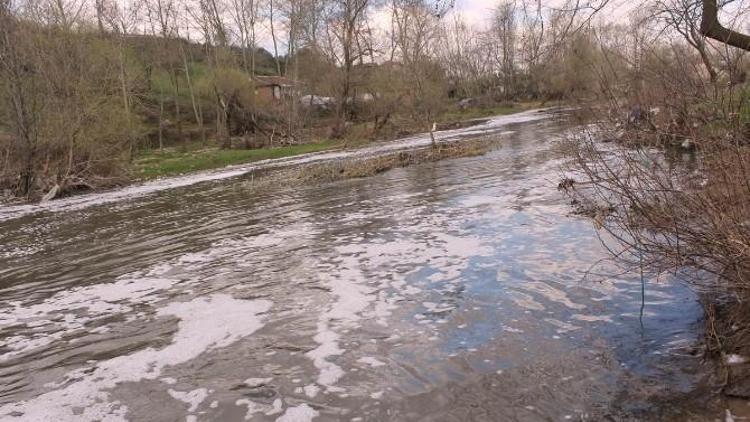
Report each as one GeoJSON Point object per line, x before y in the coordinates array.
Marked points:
{"type": "Point", "coordinates": [370, 166]}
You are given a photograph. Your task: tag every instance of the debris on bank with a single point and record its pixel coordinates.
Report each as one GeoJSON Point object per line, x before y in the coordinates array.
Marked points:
{"type": "Point", "coordinates": [735, 360]}
{"type": "Point", "coordinates": [370, 166]}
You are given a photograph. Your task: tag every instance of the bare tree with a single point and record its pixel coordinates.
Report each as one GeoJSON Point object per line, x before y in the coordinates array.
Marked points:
{"type": "Point", "coordinates": [196, 105]}
{"type": "Point", "coordinates": [416, 32]}
{"type": "Point", "coordinates": [16, 87]}
{"type": "Point", "coordinates": [271, 15]}
{"type": "Point", "coordinates": [504, 29]}
{"type": "Point", "coordinates": [683, 16]}
{"type": "Point", "coordinates": [214, 30]}
{"type": "Point", "coordinates": [345, 26]}
{"type": "Point", "coordinates": [244, 14]}
{"type": "Point", "coordinates": [712, 28]}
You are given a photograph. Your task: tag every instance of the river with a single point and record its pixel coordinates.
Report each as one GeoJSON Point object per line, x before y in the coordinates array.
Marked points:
{"type": "Point", "coordinates": [460, 290]}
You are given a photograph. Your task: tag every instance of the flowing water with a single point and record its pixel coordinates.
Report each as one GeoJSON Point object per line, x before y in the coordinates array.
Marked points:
{"type": "Point", "coordinates": [448, 291]}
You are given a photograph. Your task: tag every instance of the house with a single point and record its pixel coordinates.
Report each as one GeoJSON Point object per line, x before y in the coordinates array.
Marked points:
{"type": "Point", "coordinates": [274, 88]}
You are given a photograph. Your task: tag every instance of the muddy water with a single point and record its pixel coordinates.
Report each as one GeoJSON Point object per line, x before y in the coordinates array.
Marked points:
{"type": "Point", "coordinates": [450, 291]}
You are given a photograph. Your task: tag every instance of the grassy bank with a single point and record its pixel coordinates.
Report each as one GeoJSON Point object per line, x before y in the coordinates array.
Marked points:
{"type": "Point", "coordinates": [172, 161]}
{"type": "Point", "coordinates": [151, 164]}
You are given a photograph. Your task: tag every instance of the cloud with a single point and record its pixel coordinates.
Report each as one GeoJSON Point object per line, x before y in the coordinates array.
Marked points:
{"type": "Point", "coordinates": [476, 12]}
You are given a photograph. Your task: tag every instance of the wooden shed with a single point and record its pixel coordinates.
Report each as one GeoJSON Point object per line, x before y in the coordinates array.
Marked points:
{"type": "Point", "coordinates": [274, 88]}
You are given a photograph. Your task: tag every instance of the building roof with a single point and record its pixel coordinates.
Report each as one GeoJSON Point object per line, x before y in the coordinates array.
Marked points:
{"type": "Point", "coordinates": [262, 81]}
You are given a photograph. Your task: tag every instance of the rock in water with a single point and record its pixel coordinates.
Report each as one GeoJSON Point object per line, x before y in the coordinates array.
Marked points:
{"type": "Point", "coordinates": [51, 194]}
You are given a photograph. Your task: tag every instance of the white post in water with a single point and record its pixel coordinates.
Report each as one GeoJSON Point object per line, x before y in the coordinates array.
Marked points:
{"type": "Point", "coordinates": [432, 133]}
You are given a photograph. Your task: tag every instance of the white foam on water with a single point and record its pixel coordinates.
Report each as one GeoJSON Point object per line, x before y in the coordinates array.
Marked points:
{"type": "Point", "coordinates": [76, 310]}
{"type": "Point", "coordinates": [276, 408]}
{"type": "Point", "coordinates": [193, 398]}
{"type": "Point", "coordinates": [71, 310]}
{"type": "Point", "coordinates": [301, 413]}
{"type": "Point", "coordinates": [205, 324]}
{"type": "Point", "coordinates": [384, 306]}
{"type": "Point", "coordinates": [368, 360]}
{"type": "Point", "coordinates": [329, 372]}
{"type": "Point", "coordinates": [436, 308]}
{"type": "Point", "coordinates": [364, 286]}
{"type": "Point", "coordinates": [354, 300]}
{"type": "Point", "coordinates": [479, 201]}
{"type": "Point", "coordinates": [252, 407]}
{"type": "Point", "coordinates": [257, 382]}
{"type": "Point", "coordinates": [352, 297]}
{"type": "Point", "coordinates": [17, 252]}
{"type": "Point", "coordinates": [311, 390]}
{"type": "Point", "coordinates": [98, 299]}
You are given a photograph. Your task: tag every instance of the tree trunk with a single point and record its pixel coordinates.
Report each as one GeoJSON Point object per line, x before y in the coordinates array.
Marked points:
{"type": "Point", "coordinates": [712, 28]}
{"type": "Point", "coordinates": [161, 122]}
{"type": "Point", "coordinates": [197, 111]}
{"type": "Point", "coordinates": [126, 99]}
{"type": "Point", "coordinates": [177, 114]}
{"type": "Point", "coordinates": [273, 38]}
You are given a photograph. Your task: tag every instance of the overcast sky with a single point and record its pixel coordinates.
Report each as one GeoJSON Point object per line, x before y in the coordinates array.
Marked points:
{"type": "Point", "coordinates": [477, 12]}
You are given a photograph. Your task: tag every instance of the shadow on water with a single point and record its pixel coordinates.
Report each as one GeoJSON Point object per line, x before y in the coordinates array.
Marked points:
{"type": "Point", "coordinates": [443, 291]}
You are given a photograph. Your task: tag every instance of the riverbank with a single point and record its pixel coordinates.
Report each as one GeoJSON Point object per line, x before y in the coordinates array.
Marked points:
{"type": "Point", "coordinates": [670, 203]}
{"type": "Point", "coordinates": [151, 164]}
{"type": "Point", "coordinates": [490, 127]}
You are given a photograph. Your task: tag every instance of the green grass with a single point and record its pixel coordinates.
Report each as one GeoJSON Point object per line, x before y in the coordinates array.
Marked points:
{"type": "Point", "coordinates": [152, 164]}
